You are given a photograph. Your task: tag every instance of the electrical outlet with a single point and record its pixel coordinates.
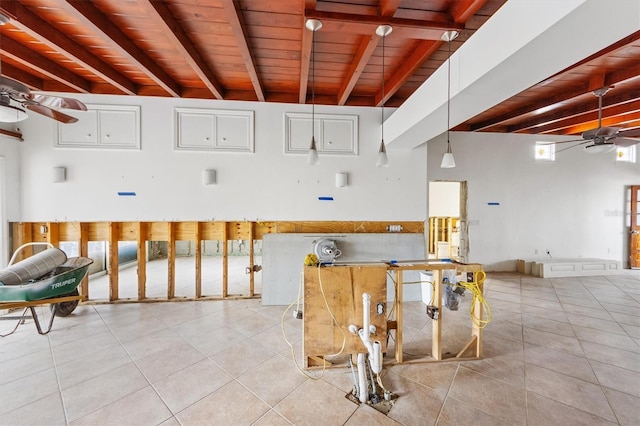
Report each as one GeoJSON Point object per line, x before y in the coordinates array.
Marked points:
{"type": "Point", "coordinates": [432, 312]}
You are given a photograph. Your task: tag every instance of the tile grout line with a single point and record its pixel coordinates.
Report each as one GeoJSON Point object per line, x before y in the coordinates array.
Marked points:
{"type": "Point", "coordinates": [446, 396]}
{"type": "Point", "coordinates": [55, 369]}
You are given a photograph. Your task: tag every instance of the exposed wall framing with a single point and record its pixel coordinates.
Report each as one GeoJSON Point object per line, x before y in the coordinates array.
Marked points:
{"type": "Point", "coordinates": [141, 232]}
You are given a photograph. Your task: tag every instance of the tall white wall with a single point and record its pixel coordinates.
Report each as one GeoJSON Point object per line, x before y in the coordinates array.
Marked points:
{"type": "Point", "coordinates": [9, 190]}
{"type": "Point", "coordinates": [10, 178]}
{"type": "Point", "coordinates": [574, 207]}
{"type": "Point", "coordinates": [265, 185]}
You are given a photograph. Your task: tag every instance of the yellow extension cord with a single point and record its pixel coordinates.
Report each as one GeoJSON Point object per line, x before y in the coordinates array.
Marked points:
{"type": "Point", "coordinates": [475, 288]}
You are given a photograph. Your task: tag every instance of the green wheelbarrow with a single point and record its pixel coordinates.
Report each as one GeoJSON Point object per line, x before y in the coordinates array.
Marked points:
{"type": "Point", "coordinates": [48, 277]}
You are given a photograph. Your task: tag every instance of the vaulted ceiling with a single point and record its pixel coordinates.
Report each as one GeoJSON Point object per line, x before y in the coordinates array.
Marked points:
{"type": "Point", "coordinates": [259, 50]}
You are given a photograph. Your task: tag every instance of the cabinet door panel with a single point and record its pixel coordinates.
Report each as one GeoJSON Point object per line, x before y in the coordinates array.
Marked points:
{"type": "Point", "coordinates": [118, 128]}
{"type": "Point", "coordinates": [82, 132]}
{"type": "Point", "coordinates": [196, 130]}
{"type": "Point", "coordinates": [337, 136]}
{"type": "Point", "coordinates": [234, 132]}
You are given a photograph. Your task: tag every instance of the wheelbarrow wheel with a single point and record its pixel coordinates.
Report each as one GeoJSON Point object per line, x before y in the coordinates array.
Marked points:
{"type": "Point", "coordinates": [65, 308]}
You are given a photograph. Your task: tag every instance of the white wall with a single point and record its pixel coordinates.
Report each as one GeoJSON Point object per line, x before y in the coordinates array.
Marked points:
{"type": "Point", "coordinates": [9, 191]}
{"type": "Point", "coordinates": [572, 207]}
{"type": "Point", "coordinates": [266, 185]}
{"type": "Point", "coordinates": [10, 179]}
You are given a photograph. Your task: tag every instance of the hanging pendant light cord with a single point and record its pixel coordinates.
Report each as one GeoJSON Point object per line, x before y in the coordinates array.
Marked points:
{"type": "Point", "coordinates": [448, 91]}
{"type": "Point", "coordinates": [313, 84]}
{"type": "Point", "coordinates": [382, 109]}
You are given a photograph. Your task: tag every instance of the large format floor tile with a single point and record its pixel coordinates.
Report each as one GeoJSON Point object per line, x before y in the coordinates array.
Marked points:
{"type": "Point", "coordinates": [562, 351]}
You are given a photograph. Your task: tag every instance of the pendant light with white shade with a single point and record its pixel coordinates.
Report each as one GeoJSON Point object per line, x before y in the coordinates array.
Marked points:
{"type": "Point", "coordinates": [447, 159]}
{"type": "Point", "coordinates": [383, 160]}
{"type": "Point", "coordinates": [313, 25]}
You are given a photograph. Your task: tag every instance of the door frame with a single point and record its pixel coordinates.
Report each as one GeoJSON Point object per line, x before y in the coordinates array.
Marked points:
{"type": "Point", "coordinates": [463, 247]}
{"type": "Point", "coordinates": [634, 227]}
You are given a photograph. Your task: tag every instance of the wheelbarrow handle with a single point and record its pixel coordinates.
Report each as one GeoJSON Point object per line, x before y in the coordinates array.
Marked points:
{"type": "Point", "coordinates": [22, 247]}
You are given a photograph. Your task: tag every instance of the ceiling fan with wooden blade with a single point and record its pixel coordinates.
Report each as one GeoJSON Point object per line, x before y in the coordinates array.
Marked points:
{"type": "Point", "coordinates": [16, 98]}
{"type": "Point", "coordinates": [603, 139]}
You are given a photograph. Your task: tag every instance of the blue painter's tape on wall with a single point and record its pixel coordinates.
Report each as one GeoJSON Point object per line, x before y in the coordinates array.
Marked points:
{"type": "Point", "coordinates": [493, 204]}
{"type": "Point", "coordinates": [325, 198]}
{"type": "Point", "coordinates": [126, 194]}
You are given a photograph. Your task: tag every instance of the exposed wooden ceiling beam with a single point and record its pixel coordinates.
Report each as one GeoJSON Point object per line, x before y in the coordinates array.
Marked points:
{"type": "Point", "coordinates": [529, 108]}
{"type": "Point", "coordinates": [34, 26]}
{"type": "Point", "coordinates": [363, 24]}
{"type": "Point", "coordinates": [619, 116]}
{"type": "Point", "coordinates": [19, 53]}
{"type": "Point", "coordinates": [421, 52]}
{"type": "Point", "coordinates": [560, 120]}
{"type": "Point", "coordinates": [93, 18]}
{"type": "Point", "coordinates": [183, 44]}
{"type": "Point", "coordinates": [240, 33]}
{"type": "Point", "coordinates": [389, 7]}
{"type": "Point", "coordinates": [25, 78]}
{"type": "Point", "coordinates": [600, 80]}
{"type": "Point", "coordinates": [367, 46]}
{"type": "Point", "coordinates": [463, 10]}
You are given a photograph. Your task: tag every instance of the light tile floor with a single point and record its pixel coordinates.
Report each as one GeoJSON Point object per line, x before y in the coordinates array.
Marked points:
{"type": "Point", "coordinates": [560, 351]}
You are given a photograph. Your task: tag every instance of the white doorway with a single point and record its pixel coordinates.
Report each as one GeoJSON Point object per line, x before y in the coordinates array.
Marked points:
{"type": "Point", "coordinates": [448, 230]}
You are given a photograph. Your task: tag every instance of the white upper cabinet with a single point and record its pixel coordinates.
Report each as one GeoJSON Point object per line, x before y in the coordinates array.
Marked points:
{"type": "Point", "coordinates": [214, 130]}
{"type": "Point", "coordinates": [335, 134]}
{"type": "Point", "coordinates": [102, 126]}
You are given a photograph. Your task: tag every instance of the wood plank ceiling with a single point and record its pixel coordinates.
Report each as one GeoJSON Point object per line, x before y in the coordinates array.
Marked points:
{"type": "Point", "coordinates": [258, 50]}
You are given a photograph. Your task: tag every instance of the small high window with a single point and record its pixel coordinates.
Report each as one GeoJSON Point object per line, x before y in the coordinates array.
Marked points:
{"type": "Point", "coordinates": [626, 154]}
{"type": "Point", "coordinates": [545, 151]}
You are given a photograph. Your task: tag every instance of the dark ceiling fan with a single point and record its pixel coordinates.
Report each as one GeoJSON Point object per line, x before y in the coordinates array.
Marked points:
{"type": "Point", "coordinates": [603, 139]}
{"type": "Point", "coordinates": [16, 98]}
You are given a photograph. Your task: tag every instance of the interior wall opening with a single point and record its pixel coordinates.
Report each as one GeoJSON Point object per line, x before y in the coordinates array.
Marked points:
{"type": "Point", "coordinates": [448, 231]}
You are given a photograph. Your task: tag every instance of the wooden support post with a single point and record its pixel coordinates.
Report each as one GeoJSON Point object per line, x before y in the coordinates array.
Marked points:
{"type": "Point", "coordinates": [84, 252]}
{"type": "Point", "coordinates": [171, 259]}
{"type": "Point", "coordinates": [142, 260]}
{"type": "Point", "coordinates": [22, 234]}
{"type": "Point", "coordinates": [198, 254]}
{"type": "Point", "coordinates": [399, 296]}
{"type": "Point", "coordinates": [53, 233]}
{"type": "Point", "coordinates": [251, 261]}
{"type": "Point", "coordinates": [436, 333]}
{"type": "Point", "coordinates": [225, 259]}
{"type": "Point", "coordinates": [113, 261]}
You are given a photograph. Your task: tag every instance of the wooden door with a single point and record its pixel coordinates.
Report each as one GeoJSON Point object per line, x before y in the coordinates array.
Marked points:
{"type": "Point", "coordinates": [634, 229]}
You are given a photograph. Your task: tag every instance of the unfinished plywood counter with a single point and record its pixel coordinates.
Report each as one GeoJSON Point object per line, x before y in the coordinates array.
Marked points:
{"type": "Point", "coordinates": [333, 301]}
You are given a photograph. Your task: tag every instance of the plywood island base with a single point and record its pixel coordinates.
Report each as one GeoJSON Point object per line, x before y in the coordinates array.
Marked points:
{"type": "Point", "coordinates": [333, 301]}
